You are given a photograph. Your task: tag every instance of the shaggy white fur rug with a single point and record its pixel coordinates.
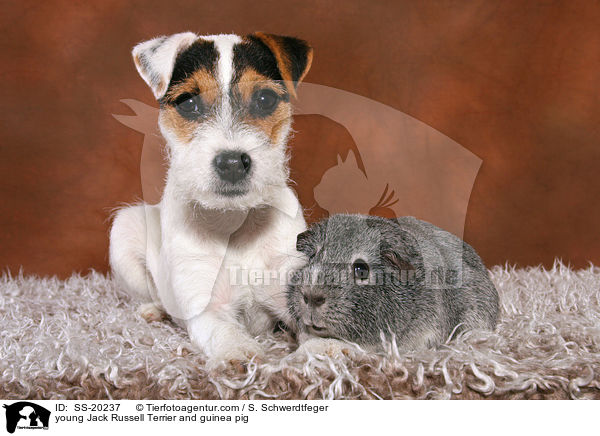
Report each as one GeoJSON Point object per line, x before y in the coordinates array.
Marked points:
{"type": "Point", "coordinates": [81, 338]}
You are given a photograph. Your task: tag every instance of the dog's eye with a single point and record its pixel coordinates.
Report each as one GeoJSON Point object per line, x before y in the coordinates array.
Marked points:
{"type": "Point", "coordinates": [189, 106]}
{"type": "Point", "coordinates": [264, 102]}
{"type": "Point", "coordinates": [361, 270]}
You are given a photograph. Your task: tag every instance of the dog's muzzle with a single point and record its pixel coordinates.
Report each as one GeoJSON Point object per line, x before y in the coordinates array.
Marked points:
{"type": "Point", "coordinates": [232, 166]}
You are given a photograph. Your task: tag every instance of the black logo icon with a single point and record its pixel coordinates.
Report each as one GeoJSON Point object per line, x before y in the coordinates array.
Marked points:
{"type": "Point", "coordinates": [26, 415]}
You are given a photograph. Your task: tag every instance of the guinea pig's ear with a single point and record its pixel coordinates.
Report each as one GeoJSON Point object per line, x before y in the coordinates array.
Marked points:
{"type": "Point", "coordinates": [398, 261]}
{"type": "Point", "coordinates": [155, 59]}
{"type": "Point", "coordinates": [400, 249]}
{"type": "Point", "coordinates": [305, 243]}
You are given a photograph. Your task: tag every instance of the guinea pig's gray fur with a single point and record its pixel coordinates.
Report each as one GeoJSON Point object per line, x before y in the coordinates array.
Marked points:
{"type": "Point", "coordinates": [420, 284]}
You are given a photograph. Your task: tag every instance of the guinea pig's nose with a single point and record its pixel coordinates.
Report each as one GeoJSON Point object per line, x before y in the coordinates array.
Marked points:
{"type": "Point", "coordinates": [314, 300]}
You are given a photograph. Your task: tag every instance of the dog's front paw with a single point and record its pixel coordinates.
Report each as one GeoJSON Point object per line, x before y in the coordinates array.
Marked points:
{"type": "Point", "coordinates": [151, 312]}
{"type": "Point", "coordinates": [222, 341]}
{"type": "Point", "coordinates": [235, 354]}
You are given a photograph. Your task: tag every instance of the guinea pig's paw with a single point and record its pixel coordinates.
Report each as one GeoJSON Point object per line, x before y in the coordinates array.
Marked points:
{"type": "Point", "coordinates": [325, 347]}
{"type": "Point", "coordinates": [151, 312]}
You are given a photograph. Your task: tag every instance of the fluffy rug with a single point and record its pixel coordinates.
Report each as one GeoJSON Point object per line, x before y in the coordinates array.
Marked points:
{"type": "Point", "coordinates": [81, 339]}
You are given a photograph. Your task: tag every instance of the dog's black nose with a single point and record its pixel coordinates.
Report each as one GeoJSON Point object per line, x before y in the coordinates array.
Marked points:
{"type": "Point", "coordinates": [232, 166]}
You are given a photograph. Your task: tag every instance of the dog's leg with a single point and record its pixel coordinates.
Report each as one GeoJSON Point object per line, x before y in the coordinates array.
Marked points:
{"type": "Point", "coordinates": [218, 329]}
{"type": "Point", "coordinates": [134, 243]}
{"type": "Point", "coordinates": [258, 320]}
{"type": "Point", "coordinates": [223, 340]}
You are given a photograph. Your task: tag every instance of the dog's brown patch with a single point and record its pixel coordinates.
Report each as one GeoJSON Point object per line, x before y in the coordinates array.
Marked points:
{"type": "Point", "coordinates": [276, 123]}
{"type": "Point", "coordinates": [201, 83]}
{"type": "Point", "coordinates": [173, 121]}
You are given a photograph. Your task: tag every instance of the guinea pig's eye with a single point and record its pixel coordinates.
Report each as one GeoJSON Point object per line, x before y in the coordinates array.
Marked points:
{"type": "Point", "coordinates": [361, 270]}
{"type": "Point", "coordinates": [264, 102]}
{"type": "Point", "coordinates": [189, 106]}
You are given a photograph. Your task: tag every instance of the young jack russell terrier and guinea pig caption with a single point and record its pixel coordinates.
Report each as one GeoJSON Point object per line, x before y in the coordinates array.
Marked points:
{"type": "Point", "coordinates": [225, 113]}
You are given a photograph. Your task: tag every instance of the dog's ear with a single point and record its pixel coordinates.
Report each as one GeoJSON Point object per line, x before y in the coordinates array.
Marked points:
{"type": "Point", "coordinates": [154, 59]}
{"type": "Point", "coordinates": [293, 56]}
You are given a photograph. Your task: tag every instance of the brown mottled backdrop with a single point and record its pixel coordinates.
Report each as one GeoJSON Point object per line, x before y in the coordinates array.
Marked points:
{"type": "Point", "coordinates": [517, 83]}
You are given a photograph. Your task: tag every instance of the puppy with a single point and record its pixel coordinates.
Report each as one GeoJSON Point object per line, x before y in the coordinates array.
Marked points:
{"type": "Point", "coordinates": [225, 113]}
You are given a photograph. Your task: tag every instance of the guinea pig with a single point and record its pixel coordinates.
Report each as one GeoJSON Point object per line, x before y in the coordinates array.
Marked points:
{"type": "Point", "coordinates": [368, 280]}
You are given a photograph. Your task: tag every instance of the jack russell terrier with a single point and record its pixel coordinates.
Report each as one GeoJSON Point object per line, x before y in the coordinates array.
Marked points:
{"type": "Point", "coordinates": [225, 113]}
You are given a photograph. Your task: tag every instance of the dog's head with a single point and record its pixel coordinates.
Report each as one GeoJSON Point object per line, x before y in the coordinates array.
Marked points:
{"type": "Point", "coordinates": [225, 112]}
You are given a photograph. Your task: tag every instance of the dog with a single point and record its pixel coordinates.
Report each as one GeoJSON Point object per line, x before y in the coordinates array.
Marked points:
{"type": "Point", "coordinates": [225, 113]}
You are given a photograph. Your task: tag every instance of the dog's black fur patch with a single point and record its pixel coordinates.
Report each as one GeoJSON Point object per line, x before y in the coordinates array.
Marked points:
{"type": "Point", "coordinates": [255, 54]}
{"type": "Point", "coordinates": [200, 55]}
